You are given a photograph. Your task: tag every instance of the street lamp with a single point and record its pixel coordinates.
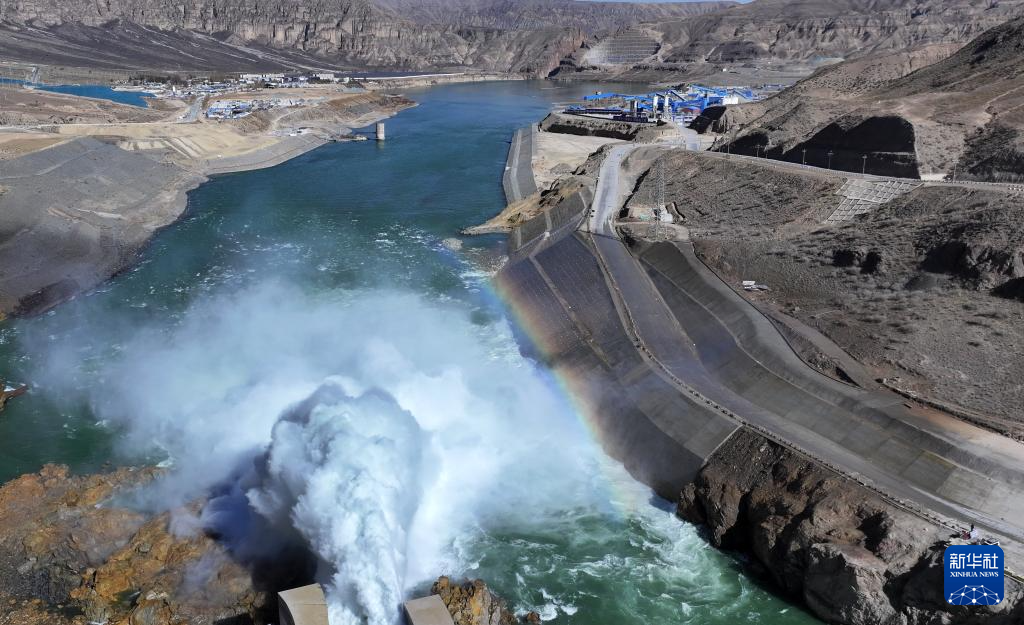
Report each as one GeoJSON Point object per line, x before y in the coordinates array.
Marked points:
{"type": "Point", "coordinates": [864, 164]}
{"type": "Point", "coordinates": [803, 161]}
{"type": "Point", "coordinates": [830, 159]}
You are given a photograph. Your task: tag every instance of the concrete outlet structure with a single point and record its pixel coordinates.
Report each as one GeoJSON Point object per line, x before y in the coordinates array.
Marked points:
{"type": "Point", "coordinates": [427, 611]}
{"type": "Point", "coordinates": [302, 606]}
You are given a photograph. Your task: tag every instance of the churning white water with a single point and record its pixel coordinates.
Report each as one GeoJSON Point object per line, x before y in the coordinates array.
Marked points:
{"type": "Point", "coordinates": [392, 424]}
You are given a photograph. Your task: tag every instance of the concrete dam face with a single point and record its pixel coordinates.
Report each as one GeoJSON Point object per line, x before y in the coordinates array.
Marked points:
{"type": "Point", "coordinates": [665, 399]}
{"type": "Point", "coordinates": [556, 285]}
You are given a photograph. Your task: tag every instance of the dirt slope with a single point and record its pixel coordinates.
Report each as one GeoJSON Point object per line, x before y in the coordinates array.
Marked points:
{"type": "Point", "coordinates": [919, 112]}
{"type": "Point", "coordinates": [925, 291]}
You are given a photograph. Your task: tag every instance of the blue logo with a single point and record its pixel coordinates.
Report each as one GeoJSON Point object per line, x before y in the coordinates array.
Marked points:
{"type": "Point", "coordinates": [974, 574]}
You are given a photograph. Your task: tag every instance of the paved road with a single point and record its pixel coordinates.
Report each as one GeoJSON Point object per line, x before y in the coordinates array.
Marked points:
{"type": "Point", "coordinates": [651, 322]}
{"type": "Point", "coordinates": [192, 114]}
{"type": "Point", "coordinates": [518, 181]}
{"type": "Point", "coordinates": [1007, 187]}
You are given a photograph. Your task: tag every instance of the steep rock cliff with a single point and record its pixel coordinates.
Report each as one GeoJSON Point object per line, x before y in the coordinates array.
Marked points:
{"type": "Point", "coordinates": [530, 37]}
{"type": "Point", "coordinates": [806, 29]}
{"type": "Point", "coordinates": [852, 557]}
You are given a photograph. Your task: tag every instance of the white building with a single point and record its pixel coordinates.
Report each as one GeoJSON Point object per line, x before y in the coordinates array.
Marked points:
{"type": "Point", "coordinates": [250, 78]}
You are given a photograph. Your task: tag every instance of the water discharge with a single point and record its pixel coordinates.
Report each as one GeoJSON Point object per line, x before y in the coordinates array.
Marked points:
{"type": "Point", "coordinates": [307, 332]}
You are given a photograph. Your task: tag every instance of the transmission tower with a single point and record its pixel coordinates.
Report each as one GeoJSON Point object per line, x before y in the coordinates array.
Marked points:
{"type": "Point", "coordinates": [657, 199]}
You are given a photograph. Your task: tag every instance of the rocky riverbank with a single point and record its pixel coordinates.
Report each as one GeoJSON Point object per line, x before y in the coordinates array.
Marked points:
{"type": "Point", "coordinates": [71, 555]}
{"type": "Point", "coordinates": [473, 603]}
{"type": "Point", "coordinates": [851, 557]}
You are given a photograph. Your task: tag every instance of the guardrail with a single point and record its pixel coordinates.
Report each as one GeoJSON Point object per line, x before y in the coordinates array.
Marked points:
{"type": "Point", "coordinates": [1010, 187]}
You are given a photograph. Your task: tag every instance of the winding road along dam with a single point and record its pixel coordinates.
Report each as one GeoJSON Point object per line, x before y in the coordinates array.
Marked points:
{"type": "Point", "coordinates": [672, 363]}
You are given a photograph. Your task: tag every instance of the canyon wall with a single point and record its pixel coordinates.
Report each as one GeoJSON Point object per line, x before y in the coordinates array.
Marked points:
{"type": "Point", "coordinates": [534, 37]}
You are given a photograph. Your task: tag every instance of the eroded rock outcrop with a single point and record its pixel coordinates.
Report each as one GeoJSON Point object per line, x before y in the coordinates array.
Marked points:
{"type": "Point", "coordinates": [472, 603]}
{"type": "Point", "coordinates": [852, 557]}
{"type": "Point", "coordinates": [67, 556]}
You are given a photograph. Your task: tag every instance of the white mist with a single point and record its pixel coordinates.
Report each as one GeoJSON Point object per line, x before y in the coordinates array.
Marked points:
{"type": "Point", "coordinates": [391, 426]}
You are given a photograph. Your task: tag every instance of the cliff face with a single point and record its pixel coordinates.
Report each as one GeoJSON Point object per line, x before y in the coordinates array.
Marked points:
{"type": "Point", "coordinates": [853, 558]}
{"type": "Point", "coordinates": [806, 29]}
{"type": "Point", "coordinates": [497, 35]}
{"type": "Point", "coordinates": [355, 32]}
{"type": "Point", "coordinates": [493, 35]}
{"type": "Point", "coordinates": [595, 17]}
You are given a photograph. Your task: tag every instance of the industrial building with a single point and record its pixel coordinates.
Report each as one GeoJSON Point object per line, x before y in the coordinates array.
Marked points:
{"type": "Point", "coordinates": [671, 104]}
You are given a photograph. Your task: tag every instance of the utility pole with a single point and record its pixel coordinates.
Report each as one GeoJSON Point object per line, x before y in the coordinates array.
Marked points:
{"type": "Point", "coordinates": [657, 198]}
{"type": "Point", "coordinates": [864, 164]}
{"type": "Point", "coordinates": [954, 173]}
{"type": "Point", "coordinates": [830, 159]}
{"type": "Point", "coordinates": [803, 160]}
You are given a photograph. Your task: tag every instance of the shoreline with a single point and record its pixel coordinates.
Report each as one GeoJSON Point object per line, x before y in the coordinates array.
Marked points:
{"type": "Point", "coordinates": [110, 226]}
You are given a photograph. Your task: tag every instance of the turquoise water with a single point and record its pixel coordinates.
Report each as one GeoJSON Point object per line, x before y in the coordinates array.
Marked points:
{"type": "Point", "coordinates": [134, 98]}
{"type": "Point", "coordinates": [346, 262]}
{"type": "Point", "coordinates": [102, 92]}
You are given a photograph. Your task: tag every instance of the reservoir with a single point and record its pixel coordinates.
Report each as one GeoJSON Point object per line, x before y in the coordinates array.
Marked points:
{"type": "Point", "coordinates": [338, 280]}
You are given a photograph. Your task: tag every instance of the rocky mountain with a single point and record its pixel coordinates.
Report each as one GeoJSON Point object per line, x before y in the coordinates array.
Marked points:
{"type": "Point", "coordinates": [591, 17]}
{"type": "Point", "coordinates": [806, 29]}
{"type": "Point", "coordinates": [530, 36]}
{"type": "Point", "coordinates": [923, 112]}
{"type": "Point", "coordinates": [776, 36]}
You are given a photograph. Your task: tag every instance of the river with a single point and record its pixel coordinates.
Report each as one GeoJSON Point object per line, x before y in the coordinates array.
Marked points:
{"type": "Point", "coordinates": [425, 444]}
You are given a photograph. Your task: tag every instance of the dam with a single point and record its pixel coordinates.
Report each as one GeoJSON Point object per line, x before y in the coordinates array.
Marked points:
{"type": "Point", "coordinates": [683, 329]}
{"type": "Point", "coordinates": [307, 276]}
{"type": "Point", "coordinates": [679, 370]}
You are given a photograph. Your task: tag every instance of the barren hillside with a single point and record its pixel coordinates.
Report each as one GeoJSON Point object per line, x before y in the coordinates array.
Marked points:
{"type": "Point", "coordinates": [914, 113]}
{"type": "Point", "coordinates": [535, 37]}
{"type": "Point", "coordinates": [528, 37]}
{"type": "Point", "coordinates": [886, 286]}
